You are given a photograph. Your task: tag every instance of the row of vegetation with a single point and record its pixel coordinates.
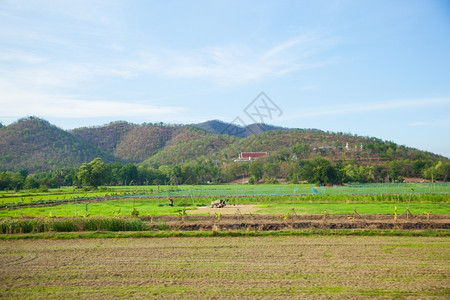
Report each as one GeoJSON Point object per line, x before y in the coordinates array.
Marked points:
{"type": "Point", "coordinates": [270, 169]}
{"type": "Point", "coordinates": [11, 226]}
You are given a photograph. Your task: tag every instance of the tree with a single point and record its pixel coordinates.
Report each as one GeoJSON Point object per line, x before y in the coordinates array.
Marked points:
{"type": "Point", "coordinates": [256, 170]}
{"type": "Point", "coordinates": [301, 150]}
{"type": "Point", "coordinates": [93, 173]}
{"type": "Point", "coordinates": [418, 166]}
{"type": "Point", "coordinates": [31, 183]}
{"type": "Point", "coordinates": [283, 154]}
{"type": "Point", "coordinates": [393, 174]}
{"type": "Point", "coordinates": [440, 171]}
{"type": "Point", "coordinates": [319, 170]}
{"type": "Point", "coordinates": [129, 174]}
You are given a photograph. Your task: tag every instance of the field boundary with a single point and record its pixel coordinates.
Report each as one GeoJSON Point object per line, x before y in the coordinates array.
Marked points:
{"type": "Point", "coordinates": [231, 233]}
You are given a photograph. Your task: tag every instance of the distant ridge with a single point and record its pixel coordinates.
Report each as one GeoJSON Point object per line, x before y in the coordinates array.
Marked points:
{"type": "Point", "coordinates": [220, 127]}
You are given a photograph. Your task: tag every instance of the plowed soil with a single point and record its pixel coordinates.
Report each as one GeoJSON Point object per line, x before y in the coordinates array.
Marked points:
{"type": "Point", "coordinates": [227, 268]}
{"type": "Point", "coordinates": [241, 221]}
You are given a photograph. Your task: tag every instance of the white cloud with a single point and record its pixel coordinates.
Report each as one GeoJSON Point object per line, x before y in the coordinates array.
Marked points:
{"type": "Point", "coordinates": [51, 75]}
{"type": "Point", "coordinates": [19, 104]}
{"type": "Point", "coordinates": [232, 64]}
{"type": "Point", "coordinates": [224, 65]}
{"type": "Point", "coordinates": [370, 107]}
{"type": "Point", "coordinates": [444, 122]}
{"type": "Point", "coordinates": [9, 55]}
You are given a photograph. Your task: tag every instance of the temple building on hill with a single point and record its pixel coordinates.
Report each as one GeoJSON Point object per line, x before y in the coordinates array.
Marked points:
{"type": "Point", "coordinates": [250, 156]}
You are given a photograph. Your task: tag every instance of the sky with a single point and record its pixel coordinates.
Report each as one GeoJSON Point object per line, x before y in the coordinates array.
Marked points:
{"type": "Point", "coordinates": [373, 68]}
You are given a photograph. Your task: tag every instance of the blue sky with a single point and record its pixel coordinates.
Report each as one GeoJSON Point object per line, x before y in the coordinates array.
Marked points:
{"type": "Point", "coordinates": [375, 68]}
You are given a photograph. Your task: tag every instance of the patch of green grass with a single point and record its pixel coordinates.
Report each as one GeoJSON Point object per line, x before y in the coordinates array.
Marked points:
{"type": "Point", "coordinates": [272, 205]}
{"type": "Point", "coordinates": [344, 208]}
{"type": "Point", "coordinates": [100, 209]}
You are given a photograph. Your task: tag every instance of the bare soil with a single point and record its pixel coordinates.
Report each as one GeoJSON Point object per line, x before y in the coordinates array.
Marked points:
{"type": "Point", "coordinates": [227, 210]}
{"type": "Point", "coordinates": [227, 268]}
{"type": "Point", "coordinates": [236, 221]}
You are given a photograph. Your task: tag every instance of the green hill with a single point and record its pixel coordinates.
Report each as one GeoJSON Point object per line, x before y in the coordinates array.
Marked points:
{"type": "Point", "coordinates": [190, 146]}
{"type": "Point", "coordinates": [36, 145]}
{"type": "Point", "coordinates": [128, 142]}
{"type": "Point", "coordinates": [220, 127]}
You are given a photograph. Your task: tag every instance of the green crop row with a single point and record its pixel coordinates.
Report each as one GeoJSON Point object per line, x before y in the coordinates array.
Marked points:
{"type": "Point", "coordinates": [426, 198]}
{"type": "Point", "coordinates": [13, 226]}
{"type": "Point", "coordinates": [225, 190]}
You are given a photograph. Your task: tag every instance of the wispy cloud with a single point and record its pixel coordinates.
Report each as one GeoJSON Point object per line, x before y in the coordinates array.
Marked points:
{"type": "Point", "coordinates": [236, 64]}
{"type": "Point", "coordinates": [10, 55]}
{"type": "Point", "coordinates": [19, 104]}
{"type": "Point", "coordinates": [441, 122]}
{"type": "Point", "coordinates": [371, 107]}
{"type": "Point", "coordinates": [225, 65]}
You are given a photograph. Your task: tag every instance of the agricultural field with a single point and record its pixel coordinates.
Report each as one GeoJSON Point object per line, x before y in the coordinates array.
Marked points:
{"type": "Point", "coordinates": [157, 207]}
{"type": "Point", "coordinates": [265, 199]}
{"type": "Point", "coordinates": [67, 194]}
{"type": "Point", "coordinates": [227, 267]}
{"type": "Point", "coordinates": [270, 241]}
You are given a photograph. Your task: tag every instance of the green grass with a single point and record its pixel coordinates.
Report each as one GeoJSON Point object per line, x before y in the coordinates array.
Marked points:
{"type": "Point", "coordinates": [101, 209]}
{"type": "Point", "coordinates": [339, 208]}
{"type": "Point", "coordinates": [272, 205]}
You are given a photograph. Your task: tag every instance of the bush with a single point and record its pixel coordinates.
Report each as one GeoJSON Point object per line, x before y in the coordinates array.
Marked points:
{"type": "Point", "coordinates": [271, 181]}
{"type": "Point", "coordinates": [252, 180]}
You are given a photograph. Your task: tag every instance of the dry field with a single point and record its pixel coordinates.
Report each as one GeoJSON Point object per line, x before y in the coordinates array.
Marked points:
{"type": "Point", "coordinates": [231, 267]}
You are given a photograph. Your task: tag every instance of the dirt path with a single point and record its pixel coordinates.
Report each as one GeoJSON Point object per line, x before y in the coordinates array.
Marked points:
{"type": "Point", "coordinates": [227, 210]}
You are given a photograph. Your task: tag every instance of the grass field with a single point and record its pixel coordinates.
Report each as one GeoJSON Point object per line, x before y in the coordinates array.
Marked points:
{"type": "Point", "coordinates": [227, 267]}
{"type": "Point", "coordinates": [274, 205]}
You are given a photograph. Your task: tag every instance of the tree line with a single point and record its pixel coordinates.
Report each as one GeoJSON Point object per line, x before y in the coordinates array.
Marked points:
{"type": "Point", "coordinates": [270, 169]}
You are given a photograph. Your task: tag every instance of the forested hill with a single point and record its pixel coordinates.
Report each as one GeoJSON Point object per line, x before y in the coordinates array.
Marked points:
{"type": "Point", "coordinates": [36, 145]}
{"type": "Point", "coordinates": [220, 127]}
{"type": "Point", "coordinates": [136, 143]}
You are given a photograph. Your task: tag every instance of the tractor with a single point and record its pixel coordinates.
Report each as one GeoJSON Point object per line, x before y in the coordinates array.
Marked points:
{"type": "Point", "coordinates": [218, 204]}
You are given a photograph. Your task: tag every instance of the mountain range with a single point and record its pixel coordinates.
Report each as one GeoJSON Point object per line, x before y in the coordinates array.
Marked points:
{"type": "Point", "coordinates": [36, 145]}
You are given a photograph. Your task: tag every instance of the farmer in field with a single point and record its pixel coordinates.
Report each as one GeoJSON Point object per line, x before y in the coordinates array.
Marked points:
{"type": "Point", "coordinates": [171, 202]}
